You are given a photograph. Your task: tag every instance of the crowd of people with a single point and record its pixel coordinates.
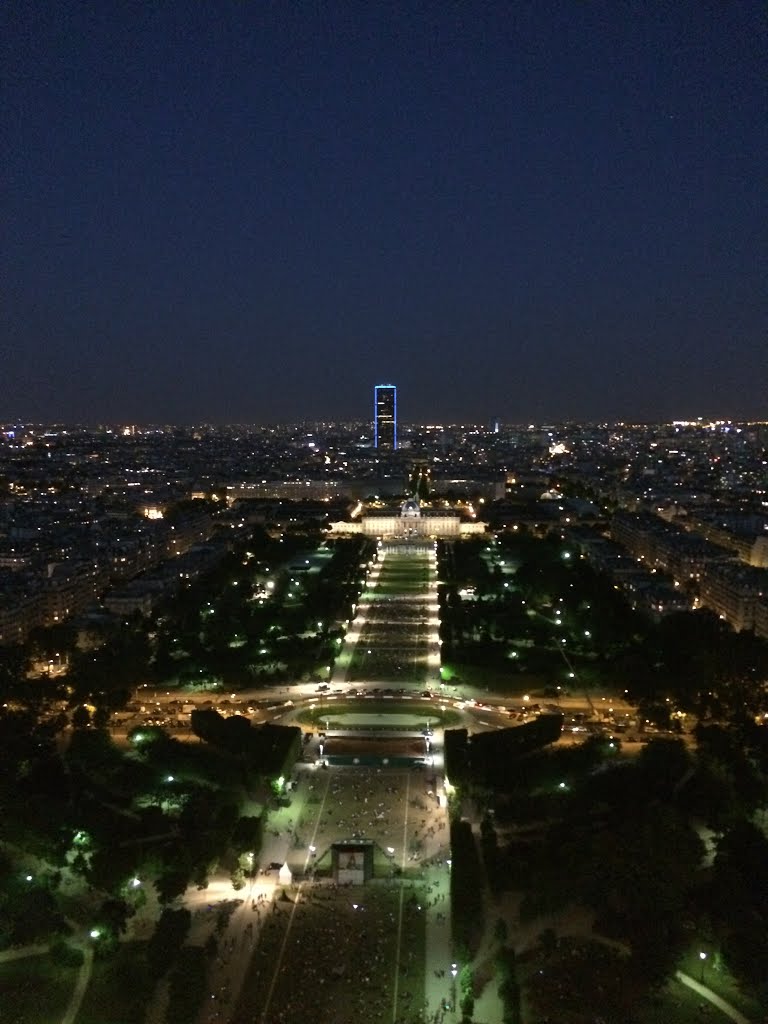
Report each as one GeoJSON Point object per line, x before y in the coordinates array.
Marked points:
{"type": "Point", "coordinates": [340, 952]}
{"type": "Point", "coordinates": [338, 958]}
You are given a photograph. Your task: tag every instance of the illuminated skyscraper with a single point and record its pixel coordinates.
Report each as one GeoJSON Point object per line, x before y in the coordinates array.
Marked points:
{"type": "Point", "coordinates": [385, 417]}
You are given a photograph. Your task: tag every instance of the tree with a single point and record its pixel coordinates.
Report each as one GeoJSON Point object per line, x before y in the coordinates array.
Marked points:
{"type": "Point", "coordinates": [247, 836]}
{"type": "Point", "coordinates": [171, 883]}
{"type": "Point", "coordinates": [81, 717]}
{"type": "Point", "coordinates": [208, 725]}
{"type": "Point", "coordinates": [167, 939]}
{"type": "Point", "coordinates": [740, 871]}
{"type": "Point", "coordinates": [647, 869]}
{"type": "Point", "coordinates": [663, 764]}
{"type": "Point", "coordinates": [114, 914]}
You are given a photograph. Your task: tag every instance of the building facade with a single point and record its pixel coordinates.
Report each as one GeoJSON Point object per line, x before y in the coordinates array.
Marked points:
{"type": "Point", "coordinates": [410, 524]}
{"type": "Point", "coordinates": [385, 417]}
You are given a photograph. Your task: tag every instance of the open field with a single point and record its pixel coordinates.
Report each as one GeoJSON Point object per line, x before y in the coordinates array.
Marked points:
{"type": "Point", "coordinates": [119, 990]}
{"type": "Point", "coordinates": [34, 990]}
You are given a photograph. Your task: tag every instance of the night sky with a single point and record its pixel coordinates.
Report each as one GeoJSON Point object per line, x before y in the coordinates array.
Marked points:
{"type": "Point", "coordinates": [255, 211]}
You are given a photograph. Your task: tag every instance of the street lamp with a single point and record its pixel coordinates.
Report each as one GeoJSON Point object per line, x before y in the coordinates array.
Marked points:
{"type": "Point", "coordinates": [703, 959]}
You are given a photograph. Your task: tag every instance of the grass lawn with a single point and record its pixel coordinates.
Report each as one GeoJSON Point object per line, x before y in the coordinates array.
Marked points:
{"type": "Point", "coordinates": [496, 679]}
{"type": "Point", "coordinates": [719, 979]}
{"type": "Point", "coordinates": [395, 632]}
{"type": "Point", "coordinates": [35, 990]}
{"type": "Point", "coordinates": [677, 1004]}
{"type": "Point", "coordinates": [393, 668]}
{"type": "Point", "coordinates": [401, 585]}
{"type": "Point", "coordinates": [120, 988]}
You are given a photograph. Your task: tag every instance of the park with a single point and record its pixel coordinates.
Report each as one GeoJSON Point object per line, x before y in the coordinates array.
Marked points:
{"type": "Point", "coordinates": [467, 899]}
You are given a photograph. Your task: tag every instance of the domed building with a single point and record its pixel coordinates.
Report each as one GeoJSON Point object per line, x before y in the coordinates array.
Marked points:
{"type": "Point", "coordinates": [411, 523]}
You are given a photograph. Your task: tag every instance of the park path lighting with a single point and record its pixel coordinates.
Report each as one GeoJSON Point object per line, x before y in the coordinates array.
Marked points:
{"type": "Point", "coordinates": [94, 933]}
{"type": "Point", "coordinates": [703, 960]}
{"type": "Point", "coordinates": [135, 883]}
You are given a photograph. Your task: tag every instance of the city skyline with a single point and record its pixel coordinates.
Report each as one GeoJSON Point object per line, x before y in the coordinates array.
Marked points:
{"type": "Point", "coordinates": [544, 213]}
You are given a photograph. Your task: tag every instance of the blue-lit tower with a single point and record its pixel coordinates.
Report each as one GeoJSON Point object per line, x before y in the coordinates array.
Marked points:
{"type": "Point", "coordinates": [385, 417]}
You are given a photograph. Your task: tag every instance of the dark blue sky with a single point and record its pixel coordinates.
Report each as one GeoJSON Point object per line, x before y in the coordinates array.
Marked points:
{"type": "Point", "coordinates": [243, 212]}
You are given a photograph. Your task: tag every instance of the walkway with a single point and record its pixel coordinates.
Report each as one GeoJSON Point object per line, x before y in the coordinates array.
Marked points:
{"type": "Point", "coordinates": [712, 997]}
{"type": "Point", "coordinates": [83, 980]}
{"type": "Point", "coordinates": [83, 976]}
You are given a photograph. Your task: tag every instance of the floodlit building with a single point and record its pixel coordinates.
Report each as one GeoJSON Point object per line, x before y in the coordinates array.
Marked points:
{"type": "Point", "coordinates": [385, 417]}
{"type": "Point", "coordinates": [410, 523]}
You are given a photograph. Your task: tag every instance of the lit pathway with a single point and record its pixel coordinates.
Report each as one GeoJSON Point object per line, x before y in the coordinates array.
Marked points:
{"type": "Point", "coordinates": [83, 976]}
{"type": "Point", "coordinates": [83, 980]}
{"type": "Point", "coordinates": [712, 997]}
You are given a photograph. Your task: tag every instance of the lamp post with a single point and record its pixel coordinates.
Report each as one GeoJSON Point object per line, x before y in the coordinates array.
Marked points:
{"type": "Point", "coordinates": [703, 959]}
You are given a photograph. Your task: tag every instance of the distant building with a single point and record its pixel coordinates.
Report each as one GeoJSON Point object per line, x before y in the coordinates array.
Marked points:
{"type": "Point", "coordinates": [410, 523]}
{"type": "Point", "coordinates": [385, 417]}
{"type": "Point", "coordinates": [736, 593]}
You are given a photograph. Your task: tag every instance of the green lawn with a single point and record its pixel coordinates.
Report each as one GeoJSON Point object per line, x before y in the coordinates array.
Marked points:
{"type": "Point", "coordinates": [120, 988]}
{"type": "Point", "coordinates": [498, 680]}
{"type": "Point", "coordinates": [35, 991]}
{"type": "Point", "coordinates": [677, 1004]}
{"type": "Point", "coordinates": [719, 979]}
